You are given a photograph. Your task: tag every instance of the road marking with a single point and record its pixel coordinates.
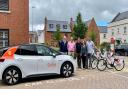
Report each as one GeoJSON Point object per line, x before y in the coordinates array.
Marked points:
{"type": "Point", "coordinates": [33, 84]}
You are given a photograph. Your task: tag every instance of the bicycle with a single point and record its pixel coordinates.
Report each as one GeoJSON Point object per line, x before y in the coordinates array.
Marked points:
{"type": "Point", "coordinates": [110, 61]}
{"type": "Point", "coordinates": [95, 58]}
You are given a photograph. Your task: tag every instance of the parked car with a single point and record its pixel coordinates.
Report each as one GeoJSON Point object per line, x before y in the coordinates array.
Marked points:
{"type": "Point", "coordinates": [31, 60]}
{"type": "Point", "coordinates": [121, 50]}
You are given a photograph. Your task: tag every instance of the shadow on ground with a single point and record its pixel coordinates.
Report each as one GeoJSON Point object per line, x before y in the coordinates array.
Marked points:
{"type": "Point", "coordinates": [36, 79]}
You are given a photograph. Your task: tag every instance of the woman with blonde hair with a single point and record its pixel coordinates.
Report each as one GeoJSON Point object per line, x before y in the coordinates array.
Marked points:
{"type": "Point", "coordinates": [71, 47]}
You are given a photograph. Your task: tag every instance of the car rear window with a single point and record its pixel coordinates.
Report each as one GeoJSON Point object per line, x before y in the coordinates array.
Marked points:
{"type": "Point", "coordinates": [26, 50]}
{"type": "Point", "coordinates": [2, 51]}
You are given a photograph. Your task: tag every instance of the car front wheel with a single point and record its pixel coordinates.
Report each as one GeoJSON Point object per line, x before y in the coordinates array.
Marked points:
{"type": "Point", "coordinates": [66, 69]}
{"type": "Point", "coordinates": [11, 76]}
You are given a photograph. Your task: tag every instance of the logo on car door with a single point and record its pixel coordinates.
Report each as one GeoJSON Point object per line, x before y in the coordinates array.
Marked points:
{"type": "Point", "coordinates": [50, 65]}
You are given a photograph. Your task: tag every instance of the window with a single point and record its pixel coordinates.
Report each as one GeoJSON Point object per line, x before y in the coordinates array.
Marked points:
{"type": "Point", "coordinates": [112, 32]}
{"type": "Point", "coordinates": [4, 5]}
{"type": "Point", "coordinates": [125, 30]}
{"type": "Point", "coordinates": [26, 50]}
{"type": "Point", "coordinates": [104, 36]}
{"type": "Point", "coordinates": [51, 25]}
{"type": "Point", "coordinates": [4, 38]}
{"type": "Point", "coordinates": [2, 51]}
{"type": "Point", "coordinates": [118, 30]}
{"type": "Point", "coordinates": [43, 51]}
{"type": "Point", "coordinates": [64, 26]}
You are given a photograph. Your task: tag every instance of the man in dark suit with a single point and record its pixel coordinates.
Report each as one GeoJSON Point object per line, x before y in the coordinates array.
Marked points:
{"type": "Point", "coordinates": [63, 45]}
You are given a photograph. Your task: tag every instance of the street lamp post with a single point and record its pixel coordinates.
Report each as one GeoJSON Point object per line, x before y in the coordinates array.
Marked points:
{"type": "Point", "coordinates": [33, 35]}
{"type": "Point", "coordinates": [33, 17]}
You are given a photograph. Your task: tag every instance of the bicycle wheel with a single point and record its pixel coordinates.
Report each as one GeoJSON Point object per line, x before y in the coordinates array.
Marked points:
{"type": "Point", "coordinates": [119, 65]}
{"type": "Point", "coordinates": [94, 63]}
{"type": "Point", "coordinates": [109, 66]}
{"type": "Point", "coordinates": [101, 65]}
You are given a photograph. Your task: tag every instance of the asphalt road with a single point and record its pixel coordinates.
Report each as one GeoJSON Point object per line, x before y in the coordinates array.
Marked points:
{"type": "Point", "coordinates": [82, 79]}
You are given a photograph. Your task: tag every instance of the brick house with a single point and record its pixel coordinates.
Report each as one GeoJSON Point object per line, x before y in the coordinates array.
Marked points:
{"type": "Point", "coordinates": [66, 29]}
{"type": "Point", "coordinates": [14, 22]}
{"type": "Point", "coordinates": [50, 28]}
{"type": "Point", "coordinates": [92, 26]}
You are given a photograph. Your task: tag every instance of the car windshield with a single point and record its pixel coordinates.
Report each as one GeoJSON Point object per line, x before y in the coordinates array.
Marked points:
{"type": "Point", "coordinates": [55, 52]}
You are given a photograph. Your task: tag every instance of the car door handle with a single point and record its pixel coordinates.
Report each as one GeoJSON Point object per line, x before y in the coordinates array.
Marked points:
{"type": "Point", "coordinates": [20, 59]}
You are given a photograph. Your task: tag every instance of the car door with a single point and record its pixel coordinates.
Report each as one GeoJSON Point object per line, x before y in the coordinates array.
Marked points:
{"type": "Point", "coordinates": [47, 63]}
{"type": "Point", "coordinates": [26, 58]}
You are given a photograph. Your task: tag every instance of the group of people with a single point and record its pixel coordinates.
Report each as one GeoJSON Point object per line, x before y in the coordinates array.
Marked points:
{"type": "Point", "coordinates": [80, 49]}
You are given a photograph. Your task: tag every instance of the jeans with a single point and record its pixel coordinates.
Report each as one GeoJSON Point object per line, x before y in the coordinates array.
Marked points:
{"type": "Point", "coordinates": [89, 59]}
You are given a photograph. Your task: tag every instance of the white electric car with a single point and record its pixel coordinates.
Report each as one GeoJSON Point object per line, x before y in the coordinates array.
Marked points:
{"type": "Point", "coordinates": [31, 60]}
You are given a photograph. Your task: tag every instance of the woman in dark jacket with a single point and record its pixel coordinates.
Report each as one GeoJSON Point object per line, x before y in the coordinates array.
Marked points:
{"type": "Point", "coordinates": [83, 55]}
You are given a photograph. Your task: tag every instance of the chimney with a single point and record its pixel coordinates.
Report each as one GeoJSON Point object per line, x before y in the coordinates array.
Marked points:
{"type": "Point", "coordinates": [71, 19]}
{"type": "Point", "coordinates": [71, 24]}
{"type": "Point", "coordinates": [45, 23]}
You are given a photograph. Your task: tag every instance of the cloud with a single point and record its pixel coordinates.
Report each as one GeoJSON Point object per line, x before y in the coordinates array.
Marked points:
{"type": "Point", "coordinates": [36, 27]}
{"type": "Point", "coordinates": [106, 14]}
{"type": "Point", "coordinates": [101, 10]}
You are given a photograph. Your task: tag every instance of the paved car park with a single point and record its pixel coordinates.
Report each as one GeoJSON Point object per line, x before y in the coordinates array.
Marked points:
{"type": "Point", "coordinates": [82, 79]}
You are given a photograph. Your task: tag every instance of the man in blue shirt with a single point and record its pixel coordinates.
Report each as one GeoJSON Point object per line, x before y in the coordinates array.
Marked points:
{"type": "Point", "coordinates": [90, 50]}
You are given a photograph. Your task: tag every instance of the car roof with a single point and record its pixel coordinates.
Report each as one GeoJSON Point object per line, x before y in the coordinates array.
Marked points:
{"type": "Point", "coordinates": [35, 44]}
{"type": "Point", "coordinates": [32, 44]}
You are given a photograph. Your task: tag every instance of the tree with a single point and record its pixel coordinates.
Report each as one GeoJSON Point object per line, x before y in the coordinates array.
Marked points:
{"type": "Point", "coordinates": [80, 28]}
{"type": "Point", "coordinates": [92, 35]}
{"type": "Point", "coordinates": [57, 35]}
{"type": "Point", "coordinates": [105, 45]}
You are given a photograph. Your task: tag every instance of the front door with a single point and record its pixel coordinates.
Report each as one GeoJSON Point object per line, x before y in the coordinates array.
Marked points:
{"type": "Point", "coordinates": [47, 63]}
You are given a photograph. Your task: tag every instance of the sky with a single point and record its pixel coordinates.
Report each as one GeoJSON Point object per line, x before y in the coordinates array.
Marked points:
{"type": "Point", "coordinates": [102, 10]}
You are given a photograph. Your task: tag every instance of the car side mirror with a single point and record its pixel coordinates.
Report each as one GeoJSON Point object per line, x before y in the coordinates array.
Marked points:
{"type": "Point", "coordinates": [54, 55]}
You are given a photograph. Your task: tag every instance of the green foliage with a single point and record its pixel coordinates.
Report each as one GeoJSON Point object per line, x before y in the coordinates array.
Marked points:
{"type": "Point", "coordinates": [118, 42]}
{"type": "Point", "coordinates": [92, 35]}
{"type": "Point", "coordinates": [80, 28]}
{"type": "Point", "coordinates": [57, 35]}
{"type": "Point", "coordinates": [105, 45]}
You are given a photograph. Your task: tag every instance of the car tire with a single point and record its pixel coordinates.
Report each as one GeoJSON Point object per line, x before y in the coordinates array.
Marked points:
{"type": "Point", "coordinates": [67, 69]}
{"type": "Point", "coordinates": [11, 76]}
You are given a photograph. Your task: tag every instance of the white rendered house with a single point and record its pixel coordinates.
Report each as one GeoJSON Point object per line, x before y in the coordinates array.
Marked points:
{"type": "Point", "coordinates": [103, 34]}
{"type": "Point", "coordinates": [118, 28]}
{"type": "Point", "coordinates": [40, 34]}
